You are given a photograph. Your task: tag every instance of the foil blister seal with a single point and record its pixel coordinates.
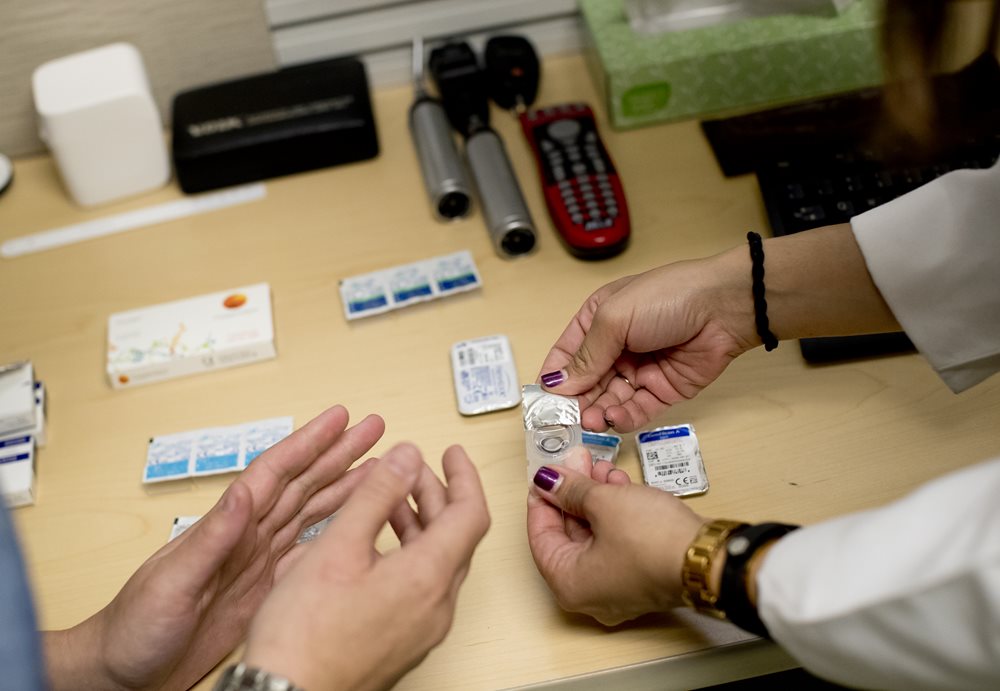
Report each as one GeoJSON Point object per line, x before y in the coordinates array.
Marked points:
{"type": "Point", "coordinates": [543, 409]}
{"type": "Point", "coordinates": [551, 427]}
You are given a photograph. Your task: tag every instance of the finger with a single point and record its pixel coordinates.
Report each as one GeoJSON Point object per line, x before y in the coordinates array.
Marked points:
{"type": "Point", "coordinates": [289, 559]}
{"type": "Point", "coordinates": [268, 474]}
{"type": "Point", "coordinates": [635, 412]}
{"type": "Point", "coordinates": [405, 523]}
{"type": "Point", "coordinates": [368, 509]}
{"type": "Point", "coordinates": [354, 443]}
{"type": "Point", "coordinates": [619, 477]}
{"type": "Point", "coordinates": [430, 496]}
{"type": "Point", "coordinates": [297, 451]}
{"type": "Point", "coordinates": [592, 415]}
{"type": "Point", "coordinates": [601, 471]}
{"type": "Point", "coordinates": [547, 538]}
{"type": "Point", "coordinates": [617, 391]}
{"type": "Point", "coordinates": [284, 497]}
{"type": "Point", "coordinates": [324, 503]}
{"type": "Point", "coordinates": [572, 336]}
{"type": "Point", "coordinates": [457, 530]}
{"type": "Point", "coordinates": [580, 460]}
{"type": "Point", "coordinates": [208, 544]}
{"type": "Point", "coordinates": [576, 529]}
{"type": "Point", "coordinates": [602, 343]}
{"type": "Point", "coordinates": [567, 489]}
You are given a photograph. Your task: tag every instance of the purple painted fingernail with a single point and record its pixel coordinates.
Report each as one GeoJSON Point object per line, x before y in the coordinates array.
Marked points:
{"type": "Point", "coordinates": [550, 379]}
{"type": "Point", "coordinates": [608, 421]}
{"type": "Point", "coordinates": [547, 479]}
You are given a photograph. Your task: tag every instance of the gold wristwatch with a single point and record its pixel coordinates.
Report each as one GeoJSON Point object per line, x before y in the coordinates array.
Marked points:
{"type": "Point", "coordinates": [697, 569]}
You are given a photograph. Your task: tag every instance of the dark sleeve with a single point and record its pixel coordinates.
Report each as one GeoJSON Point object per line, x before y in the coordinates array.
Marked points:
{"type": "Point", "coordinates": [21, 663]}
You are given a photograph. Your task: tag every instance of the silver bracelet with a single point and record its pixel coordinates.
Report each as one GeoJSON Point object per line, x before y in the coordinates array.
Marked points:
{"type": "Point", "coordinates": [242, 678]}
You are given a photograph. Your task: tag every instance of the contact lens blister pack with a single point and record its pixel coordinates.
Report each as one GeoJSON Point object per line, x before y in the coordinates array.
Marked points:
{"type": "Point", "coordinates": [212, 450]}
{"type": "Point", "coordinates": [551, 427]}
{"type": "Point", "coordinates": [408, 284]}
{"type": "Point", "coordinates": [603, 446]}
{"type": "Point", "coordinates": [484, 374]}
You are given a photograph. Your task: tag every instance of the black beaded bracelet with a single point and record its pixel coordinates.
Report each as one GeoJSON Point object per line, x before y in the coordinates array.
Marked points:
{"type": "Point", "coordinates": [734, 600]}
{"type": "Point", "coordinates": [759, 303]}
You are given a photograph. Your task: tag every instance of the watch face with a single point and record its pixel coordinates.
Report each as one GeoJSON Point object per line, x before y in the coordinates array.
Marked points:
{"type": "Point", "coordinates": [6, 173]}
{"type": "Point", "coordinates": [737, 545]}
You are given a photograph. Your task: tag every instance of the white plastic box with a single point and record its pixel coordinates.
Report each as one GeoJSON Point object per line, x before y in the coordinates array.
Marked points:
{"type": "Point", "coordinates": [22, 420]}
{"type": "Point", "coordinates": [173, 339]}
{"type": "Point", "coordinates": [97, 115]}
{"type": "Point", "coordinates": [17, 471]}
{"type": "Point", "coordinates": [17, 397]}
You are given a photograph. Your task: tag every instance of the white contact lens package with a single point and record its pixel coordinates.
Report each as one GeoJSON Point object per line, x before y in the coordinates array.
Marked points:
{"type": "Point", "coordinates": [671, 460]}
{"type": "Point", "coordinates": [212, 450]}
{"type": "Point", "coordinates": [17, 397]}
{"type": "Point", "coordinates": [182, 523]}
{"type": "Point", "coordinates": [17, 470]}
{"type": "Point", "coordinates": [602, 446]}
{"type": "Point", "coordinates": [485, 375]}
{"type": "Point", "coordinates": [174, 339]}
{"type": "Point", "coordinates": [400, 286]}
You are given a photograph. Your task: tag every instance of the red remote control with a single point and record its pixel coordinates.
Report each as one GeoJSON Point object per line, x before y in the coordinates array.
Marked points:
{"type": "Point", "coordinates": [582, 190]}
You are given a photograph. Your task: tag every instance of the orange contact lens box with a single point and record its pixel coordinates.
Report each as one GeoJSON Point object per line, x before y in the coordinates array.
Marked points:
{"type": "Point", "coordinates": [173, 339]}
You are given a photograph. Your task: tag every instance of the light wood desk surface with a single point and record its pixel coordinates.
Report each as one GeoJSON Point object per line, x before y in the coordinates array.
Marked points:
{"type": "Point", "coordinates": [781, 440]}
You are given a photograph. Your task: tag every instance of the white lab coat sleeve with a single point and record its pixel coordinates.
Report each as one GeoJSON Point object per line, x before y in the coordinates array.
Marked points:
{"type": "Point", "coordinates": [906, 596]}
{"type": "Point", "coordinates": [934, 254]}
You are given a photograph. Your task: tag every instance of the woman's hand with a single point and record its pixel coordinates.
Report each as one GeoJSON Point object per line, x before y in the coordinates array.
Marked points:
{"type": "Point", "coordinates": [645, 342]}
{"type": "Point", "coordinates": [618, 551]}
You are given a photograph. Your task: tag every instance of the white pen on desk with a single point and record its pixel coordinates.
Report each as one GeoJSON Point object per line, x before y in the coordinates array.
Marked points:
{"type": "Point", "coordinates": [130, 220]}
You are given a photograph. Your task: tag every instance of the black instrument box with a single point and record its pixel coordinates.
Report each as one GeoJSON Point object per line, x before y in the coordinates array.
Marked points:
{"type": "Point", "coordinates": [299, 118]}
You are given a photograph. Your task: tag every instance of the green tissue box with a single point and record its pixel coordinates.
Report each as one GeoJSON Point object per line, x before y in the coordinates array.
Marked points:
{"type": "Point", "coordinates": [647, 79]}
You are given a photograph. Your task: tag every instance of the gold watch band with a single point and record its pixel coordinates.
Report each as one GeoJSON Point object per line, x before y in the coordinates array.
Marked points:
{"type": "Point", "coordinates": [697, 569]}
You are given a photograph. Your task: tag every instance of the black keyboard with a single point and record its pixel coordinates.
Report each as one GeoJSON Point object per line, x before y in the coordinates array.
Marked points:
{"type": "Point", "coordinates": [822, 162]}
{"type": "Point", "coordinates": [801, 195]}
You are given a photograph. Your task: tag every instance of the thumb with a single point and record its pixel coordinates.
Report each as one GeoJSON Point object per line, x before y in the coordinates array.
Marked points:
{"type": "Point", "coordinates": [567, 489]}
{"type": "Point", "coordinates": [602, 344]}
{"type": "Point", "coordinates": [373, 502]}
{"type": "Point", "coordinates": [207, 545]}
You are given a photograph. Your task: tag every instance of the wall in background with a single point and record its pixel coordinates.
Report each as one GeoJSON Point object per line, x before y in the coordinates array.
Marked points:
{"type": "Point", "coordinates": [381, 31]}
{"type": "Point", "coordinates": [191, 42]}
{"type": "Point", "coordinates": [184, 43]}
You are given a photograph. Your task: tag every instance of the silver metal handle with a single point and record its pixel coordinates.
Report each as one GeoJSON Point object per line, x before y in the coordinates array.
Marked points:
{"type": "Point", "coordinates": [440, 164]}
{"type": "Point", "coordinates": [504, 210]}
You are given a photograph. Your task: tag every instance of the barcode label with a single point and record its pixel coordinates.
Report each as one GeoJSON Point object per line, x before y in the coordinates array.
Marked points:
{"type": "Point", "coordinates": [671, 460]}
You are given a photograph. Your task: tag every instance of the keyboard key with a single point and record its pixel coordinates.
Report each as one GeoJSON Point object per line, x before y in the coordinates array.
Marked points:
{"type": "Point", "coordinates": [809, 213]}
{"type": "Point", "coordinates": [869, 202]}
{"type": "Point", "coordinates": [845, 209]}
{"type": "Point", "coordinates": [794, 191]}
{"type": "Point", "coordinates": [824, 188]}
{"type": "Point", "coordinates": [852, 183]}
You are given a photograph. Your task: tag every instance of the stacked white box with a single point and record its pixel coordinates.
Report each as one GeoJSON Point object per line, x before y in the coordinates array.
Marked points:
{"type": "Point", "coordinates": [17, 400]}
{"type": "Point", "coordinates": [18, 444]}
